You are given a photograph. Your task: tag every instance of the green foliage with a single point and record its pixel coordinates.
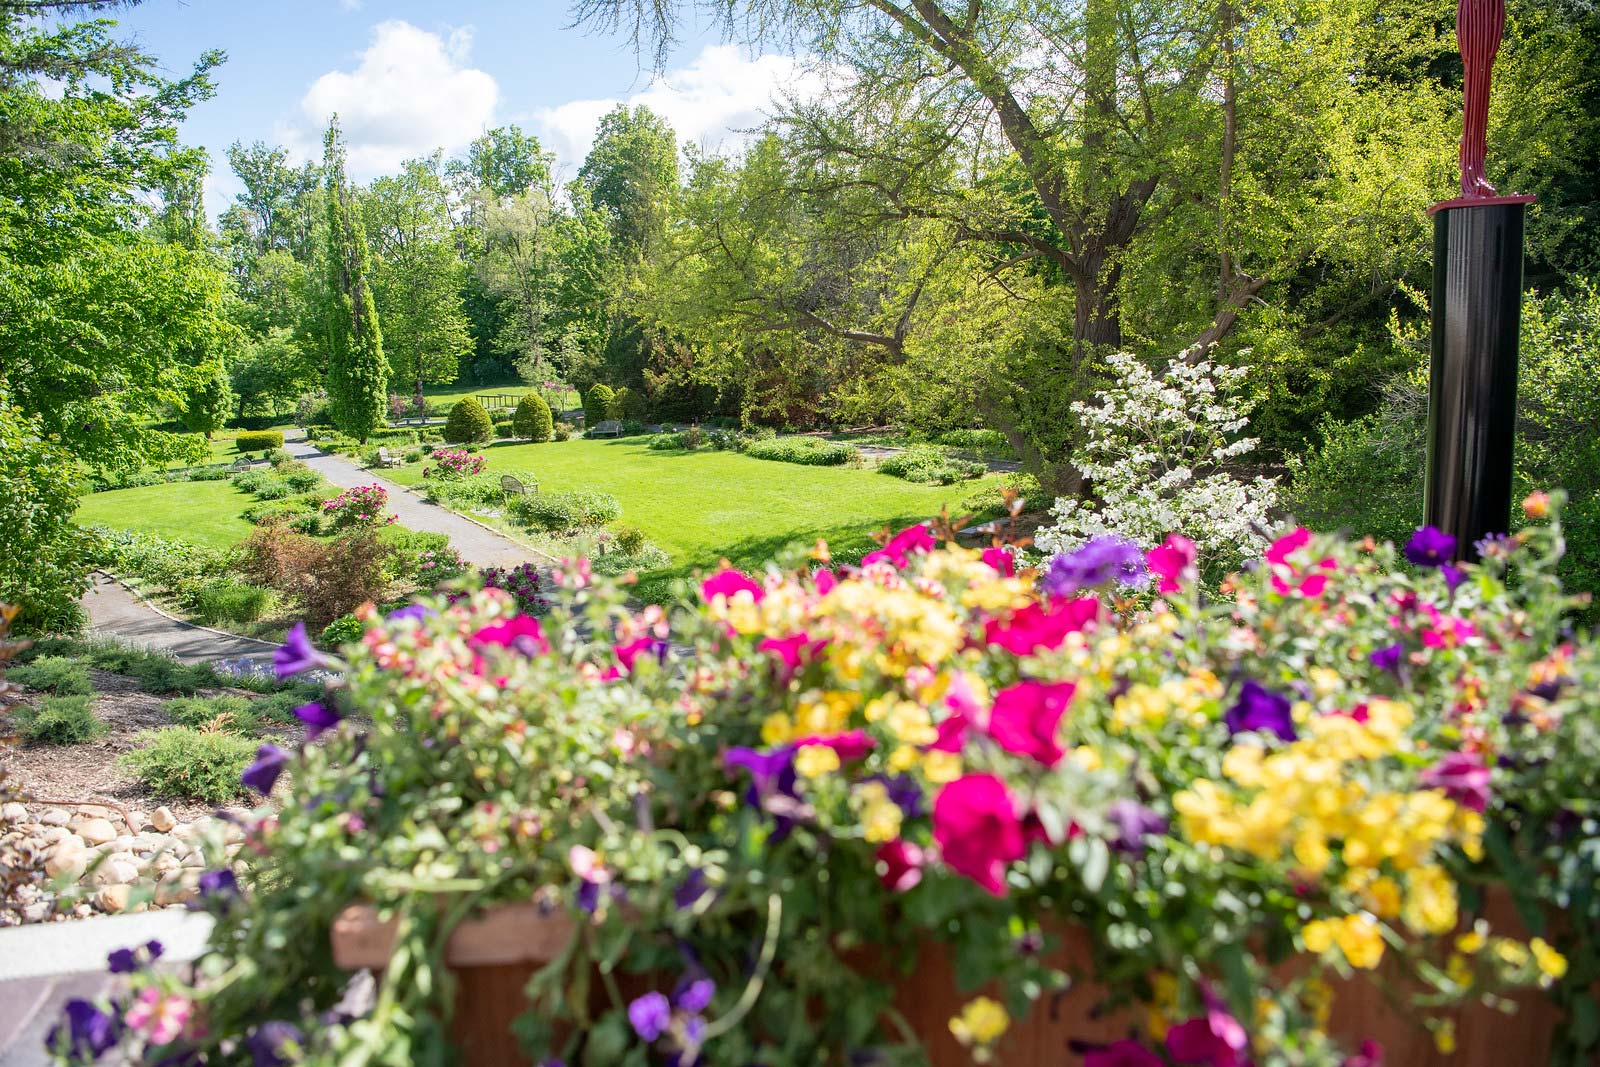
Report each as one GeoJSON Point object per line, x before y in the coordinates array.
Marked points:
{"type": "Point", "coordinates": [272, 489]}
{"type": "Point", "coordinates": [629, 404]}
{"type": "Point", "coordinates": [154, 672]}
{"type": "Point", "coordinates": [630, 174]}
{"type": "Point", "coordinates": [174, 567]}
{"type": "Point", "coordinates": [987, 442]}
{"type": "Point", "coordinates": [1364, 476]}
{"type": "Point", "coordinates": [476, 492]}
{"type": "Point", "coordinates": [630, 539]}
{"type": "Point", "coordinates": [561, 511]}
{"type": "Point", "coordinates": [56, 674]}
{"type": "Point", "coordinates": [258, 440]}
{"type": "Point", "coordinates": [532, 420]}
{"type": "Point", "coordinates": [930, 465]}
{"type": "Point", "coordinates": [61, 720]}
{"type": "Point", "coordinates": [43, 554]}
{"type": "Point", "coordinates": [235, 713]}
{"type": "Point", "coordinates": [229, 601]}
{"type": "Point", "coordinates": [989, 502]}
{"type": "Point", "coordinates": [562, 432]}
{"type": "Point", "coordinates": [358, 373]}
{"type": "Point", "coordinates": [597, 404]}
{"type": "Point", "coordinates": [209, 403]}
{"type": "Point", "coordinates": [208, 474]}
{"type": "Point", "coordinates": [341, 631]}
{"type": "Point", "coordinates": [468, 423]}
{"type": "Point", "coordinates": [191, 764]}
{"type": "Point", "coordinates": [810, 451]}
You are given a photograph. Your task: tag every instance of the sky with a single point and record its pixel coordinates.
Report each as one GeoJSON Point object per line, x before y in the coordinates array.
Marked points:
{"type": "Point", "coordinates": [409, 76]}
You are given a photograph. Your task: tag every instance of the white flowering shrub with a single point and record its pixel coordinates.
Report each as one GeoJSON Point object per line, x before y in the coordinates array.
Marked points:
{"type": "Point", "coordinates": [1156, 453]}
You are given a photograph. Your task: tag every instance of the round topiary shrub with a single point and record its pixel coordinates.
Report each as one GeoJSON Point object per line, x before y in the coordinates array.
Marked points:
{"type": "Point", "coordinates": [532, 420]}
{"type": "Point", "coordinates": [469, 423]}
{"type": "Point", "coordinates": [597, 404]}
{"type": "Point", "coordinates": [630, 404]}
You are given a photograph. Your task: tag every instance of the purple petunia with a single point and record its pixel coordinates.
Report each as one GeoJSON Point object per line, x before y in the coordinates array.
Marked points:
{"type": "Point", "coordinates": [694, 995]}
{"type": "Point", "coordinates": [318, 718]}
{"type": "Point", "coordinates": [693, 889]}
{"type": "Point", "coordinates": [773, 783]}
{"type": "Point", "coordinates": [1463, 777]}
{"type": "Point", "coordinates": [1453, 576]}
{"type": "Point", "coordinates": [1388, 657]}
{"type": "Point", "coordinates": [297, 654]}
{"type": "Point", "coordinates": [1133, 822]}
{"type": "Point", "coordinates": [411, 611]}
{"type": "Point", "coordinates": [275, 1044]}
{"type": "Point", "coordinates": [129, 960]}
{"type": "Point", "coordinates": [86, 1033]}
{"type": "Point", "coordinates": [650, 1016]}
{"type": "Point", "coordinates": [1430, 547]}
{"type": "Point", "coordinates": [219, 883]}
{"type": "Point", "coordinates": [1104, 560]}
{"type": "Point", "coordinates": [262, 775]}
{"type": "Point", "coordinates": [1259, 708]}
{"type": "Point", "coordinates": [904, 791]}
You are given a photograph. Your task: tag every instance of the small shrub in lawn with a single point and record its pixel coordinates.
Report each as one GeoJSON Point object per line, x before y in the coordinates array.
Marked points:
{"type": "Point", "coordinates": [259, 440]}
{"type": "Point", "coordinates": [597, 404]}
{"type": "Point", "coordinates": [191, 763]}
{"type": "Point", "coordinates": [727, 440]}
{"type": "Point", "coordinates": [340, 631]}
{"type": "Point", "coordinates": [630, 539]}
{"type": "Point", "coordinates": [228, 601]}
{"type": "Point", "coordinates": [668, 442]}
{"type": "Point", "coordinates": [310, 524]}
{"type": "Point", "coordinates": [250, 481]}
{"type": "Point", "coordinates": [809, 451]}
{"type": "Point", "coordinates": [55, 674]}
{"type": "Point", "coordinates": [235, 713]}
{"type": "Point", "coordinates": [930, 465]}
{"type": "Point", "coordinates": [570, 510]}
{"type": "Point", "coordinates": [272, 489]}
{"type": "Point", "coordinates": [208, 474]}
{"type": "Point", "coordinates": [561, 432]}
{"type": "Point", "coordinates": [303, 480]}
{"type": "Point", "coordinates": [61, 720]}
{"type": "Point", "coordinates": [281, 459]}
{"type": "Point", "coordinates": [648, 557]}
{"type": "Point", "coordinates": [265, 511]}
{"type": "Point", "coordinates": [469, 423]}
{"type": "Point", "coordinates": [153, 671]}
{"type": "Point", "coordinates": [326, 578]}
{"type": "Point", "coordinates": [532, 420]}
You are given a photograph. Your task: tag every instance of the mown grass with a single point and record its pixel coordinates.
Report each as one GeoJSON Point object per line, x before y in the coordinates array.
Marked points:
{"type": "Point", "coordinates": [202, 513]}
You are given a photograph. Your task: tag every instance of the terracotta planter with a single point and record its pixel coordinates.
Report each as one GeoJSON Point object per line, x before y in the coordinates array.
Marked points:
{"type": "Point", "coordinates": [495, 954]}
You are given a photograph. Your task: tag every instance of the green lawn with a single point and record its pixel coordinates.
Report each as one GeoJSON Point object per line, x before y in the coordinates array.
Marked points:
{"type": "Point", "coordinates": [449, 394]}
{"type": "Point", "coordinates": [203, 513]}
{"type": "Point", "coordinates": [703, 506]}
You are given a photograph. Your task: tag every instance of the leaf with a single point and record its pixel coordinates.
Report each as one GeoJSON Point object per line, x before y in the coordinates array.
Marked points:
{"type": "Point", "coordinates": [607, 1041]}
{"type": "Point", "coordinates": [1096, 864]}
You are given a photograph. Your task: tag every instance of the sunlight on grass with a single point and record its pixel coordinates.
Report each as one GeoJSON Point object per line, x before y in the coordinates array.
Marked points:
{"type": "Point", "coordinates": [202, 513]}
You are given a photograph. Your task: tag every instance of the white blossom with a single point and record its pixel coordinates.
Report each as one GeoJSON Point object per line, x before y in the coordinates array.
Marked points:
{"type": "Point", "coordinates": [1155, 454]}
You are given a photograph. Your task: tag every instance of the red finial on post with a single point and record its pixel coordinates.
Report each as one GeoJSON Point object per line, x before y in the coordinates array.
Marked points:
{"type": "Point", "coordinates": [1479, 26]}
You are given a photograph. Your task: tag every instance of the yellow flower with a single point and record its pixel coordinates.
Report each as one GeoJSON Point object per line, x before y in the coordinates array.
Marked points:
{"type": "Point", "coordinates": [816, 760]}
{"type": "Point", "coordinates": [1383, 897]}
{"type": "Point", "coordinates": [1430, 906]}
{"type": "Point", "coordinates": [1141, 704]}
{"type": "Point", "coordinates": [1444, 1036]}
{"type": "Point", "coordinates": [1458, 970]}
{"type": "Point", "coordinates": [1552, 964]}
{"type": "Point", "coordinates": [1242, 764]}
{"type": "Point", "coordinates": [981, 1022]}
{"type": "Point", "coordinates": [1317, 935]}
{"type": "Point", "coordinates": [1359, 939]}
{"type": "Point", "coordinates": [1319, 999]}
{"type": "Point", "coordinates": [1311, 850]}
{"type": "Point", "coordinates": [777, 729]}
{"type": "Point", "coordinates": [1088, 757]}
{"type": "Point", "coordinates": [941, 767]}
{"type": "Point", "coordinates": [911, 723]}
{"type": "Point", "coordinates": [1511, 952]}
{"type": "Point", "coordinates": [880, 816]}
{"type": "Point", "coordinates": [1472, 941]}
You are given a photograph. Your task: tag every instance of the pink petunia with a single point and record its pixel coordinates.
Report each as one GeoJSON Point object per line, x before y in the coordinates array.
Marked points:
{"type": "Point", "coordinates": [825, 580]}
{"type": "Point", "coordinates": [1124, 1053]}
{"type": "Point", "coordinates": [1287, 545]}
{"type": "Point", "coordinates": [1037, 626]}
{"type": "Point", "coordinates": [793, 651]}
{"type": "Point", "coordinates": [729, 583]}
{"type": "Point", "coordinates": [1001, 560]}
{"type": "Point", "coordinates": [902, 865]}
{"type": "Point", "coordinates": [522, 633]}
{"type": "Point", "coordinates": [1027, 716]}
{"type": "Point", "coordinates": [1215, 1039]}
{"type": "Point", "coordinates": [1173, 563]}
{"type": "Point", "coordinates": [976, 826]}
{"type": "Point", "coordinates": [898, 550]}
{"type": "Point", "coordinates": [849, 746]}
{"type": "Point", "coordinates": [160, 1017]}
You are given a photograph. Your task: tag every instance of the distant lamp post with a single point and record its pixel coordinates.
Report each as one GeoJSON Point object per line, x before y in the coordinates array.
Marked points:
{"type": "Point", "coordinates": [1477, 314]}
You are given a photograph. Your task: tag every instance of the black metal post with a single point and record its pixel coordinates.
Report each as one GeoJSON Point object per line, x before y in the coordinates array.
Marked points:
{"type": "Point", "coordinates": [1472, 394]}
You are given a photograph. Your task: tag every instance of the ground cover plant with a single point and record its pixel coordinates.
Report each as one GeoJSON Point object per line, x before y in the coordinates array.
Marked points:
{"type": "Point", "coordinates": [60, 720]}
{"type": "Point", "coordinates": [809, 451]}
{"type": "Point", "coordinates": [938, 746]}
{"type": "Point", "coordinates": [190, 763]}
{"type": "Point", "coordinates": [60, 675]}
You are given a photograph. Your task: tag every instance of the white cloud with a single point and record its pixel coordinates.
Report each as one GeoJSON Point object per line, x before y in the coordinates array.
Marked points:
{"type": "Point", "coordinates": [708, 102]}
{"type": "Point", "coordinates": [411, 92]}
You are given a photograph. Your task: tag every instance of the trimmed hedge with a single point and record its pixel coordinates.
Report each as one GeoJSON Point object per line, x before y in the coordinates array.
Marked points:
{"type": "Point", "coordinates": [597, 404]}
{"type": "Point", "coordinates": [564, 511]}
{"type": "Point", "coordinates": [259, 440]}
{"type": "Point", "coordinates": [532, 420]}
{"type": "Point", "coordinates": [469, 423]}
{"type": "Point", "coordinates": [930, 465]}
{"type": "Point", "coordinates": [808, 451]}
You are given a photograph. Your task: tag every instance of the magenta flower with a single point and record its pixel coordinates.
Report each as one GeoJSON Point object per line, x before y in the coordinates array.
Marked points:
{"type": "Point", "coordinates": [793, 652]}
{"type": "Point", "coordinates": [650, 1015]}
{"type": "Point", "coordinates": [1124, 1053]}
{"type": "Point", "coordinates": [1037, 626]}
{"type": "Point", "coordinates": [318, 718]}
{"type": "Point", "coordinates": [976, 827]}
{"type": "Point", "coordinates": [1279, 551]}
{"type": "Point", "coordinates": [263, 773]}
{"type": "Point", "coordinates": [848, 746]}
{"type": "Point", "coordinates": [522, 633]}
{"type": "Point", "coordinates": [628, 654]}
{"type": "Point", "coordinates": [1216, 1038]}
{"type": "Point", "coordinates": [1173, 563]}
{"type": "Point", "coordinates": [1462, 776]}
{"type": "Point", "coordinates": [1259, 708]}
{"type": "Point", "coordinates": [297, 654]}
{"type": "Point", "coordinates": [1002, 560]}
{"type": "Point", "coordinates": [729, 582]}
{"type": "Point", "coordinates": [1430, 547]}
{"type": "Point", "coordinates": [898, 549]}
{"type": "Point", "coordinates": [1027, 716]}
{"type": "Point", "coordinates": [899, 865]}
{"type": "Point", "coordinates": [1369, 1055]}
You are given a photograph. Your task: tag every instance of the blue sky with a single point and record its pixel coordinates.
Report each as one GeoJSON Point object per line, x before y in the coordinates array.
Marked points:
{"type": "Point", "coordinates": [407, 76]}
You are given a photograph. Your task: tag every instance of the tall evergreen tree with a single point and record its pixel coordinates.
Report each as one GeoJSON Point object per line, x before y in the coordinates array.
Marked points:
{"type": "Point", "coordinates": [358, 374]}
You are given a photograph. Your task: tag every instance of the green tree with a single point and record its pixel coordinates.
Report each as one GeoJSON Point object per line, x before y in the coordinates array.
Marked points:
{"type": "Point", "coordinates": [521, 238]}
{"type": "Point", "coordinates": [532, 419]}
{"type": "Point", "coordinates": [505, 161]}
{"type": "Point", "coordinates": [597, 404]}
{"type": "Point", "coordinates": [43, 566]}
{"type": "Point", "coordinates": [418, 274]}
{"type": "Point", "coordinates": [630, 174]}
{"type": "Point", "coordinates": [272, 372]}
{"type": "Point", "coordinates": [358, 375]}
{"type": "Point", "coordinates": [468, 422]}
{"type": "Point", "coordinates": [210, 403]}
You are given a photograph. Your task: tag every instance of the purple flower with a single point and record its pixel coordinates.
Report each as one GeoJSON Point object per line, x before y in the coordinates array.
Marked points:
{"type": "Point", "coordinates": [220, 884]}
{"type": "Point", "coordinates": [694, 995]}
{"type": "Point", "coordinates": [650, 1016]}
{"type": "Point", "coordinates": [1453, 576]}
{"type": "Point", "coordinates": [1430, 547]}
{"type": "Point", "coordinates": [275, 1044]}
{"type": "Point", "coordinates": [904, 791]}
{"type": "Point", "coordinates": [1463, 777]}
{"type": "Point", "coordinates": [772, 783]}
{"type": "Point", "coordinates": [1259, 708]}
{"type": "Point", "coordinates": [318, 718]}
{"type": "Point", "coordinates": [89, 1031]}
{"type": "Point", "coordinates": [1388, 657]}
{"type": "Point", "coordinates": [1133, 822]}
{"type": "Point", "coordinates": [297, 653]}
{"type": "Point", "coordinates": [1103, 560]}
{"type": "Point", "coordinates": [411, 611]}
{"type": "Point", "coordinates": [263, 773]}
{"type": "Point", "coordinates": [688, 894]}
{"type": "Point", "coordinates": [129, 960]}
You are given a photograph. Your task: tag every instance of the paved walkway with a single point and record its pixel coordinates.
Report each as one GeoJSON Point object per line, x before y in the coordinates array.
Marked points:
{"type": "Point", "coordinates": [477, 545]}
{"type": "Point", "coordinates": [115, 612]}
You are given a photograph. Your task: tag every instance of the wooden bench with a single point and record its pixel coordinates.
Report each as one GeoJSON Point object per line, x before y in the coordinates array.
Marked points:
{"type": "Point", "coordinates": [512, 486]}
{"type": "Point", "coordinates": [387, 459]}
{"type": "Point", "coordinates": [608, 428]}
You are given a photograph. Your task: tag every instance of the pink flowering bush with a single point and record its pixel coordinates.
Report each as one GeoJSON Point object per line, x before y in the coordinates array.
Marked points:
{"type": "Point", "coordinates": [453, 464]}
{"type": "Point", "coordinates": [362, 505]}
{"type": "Point", "coordinates": [734, 799]}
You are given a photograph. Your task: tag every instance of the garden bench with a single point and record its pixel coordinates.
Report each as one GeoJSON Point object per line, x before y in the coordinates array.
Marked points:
{"type": "Point", "coordinates": [608, 428]}
{"type": "Point", "coordinates": [511, 486]}
{"type": "Point", "coordinates": [243, 463]}
{"type": "Point", "coordinates": [387, 459]}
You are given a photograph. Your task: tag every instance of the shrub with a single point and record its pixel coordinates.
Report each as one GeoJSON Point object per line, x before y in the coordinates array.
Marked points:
{"type": "Point", "coordinates": [174, 567]}
{"type": "Point", "coordinates": [436, 565]}
{"type": "Point", "coordinates": [570, 510]}
{"type": "Point", "coordinates": [562, 432]}
{"type": "Point", "coordinates": [989, 501]}
{"type": "Point", "coordinates": [648, 557]}
{"type": "Point", "coordinates": [234, 713]}
{"type": "Point", "coordinates": [258, 440]}
{"type": "Point", "coordinates": [988, 442]}
{"type": "Point", "coordinates": [272, 489]}
{"type": "Point", "coordinates": [325, 579]}
{"type": "Point", "coordinates": [668, 442]}
{"type": "Point", "coordinates": [303, 480]}
{"type": "Point", "coordinates": [229, 601]}
{"type": "Point", "coordinates": [264, 512]}
{"type": "Point", "coordinates": [532, 420]}
{"type": "Point", "coordinates": [281, 459]}
{"type": "Point", "coordinates": [724, 440]}
{"type": "Point", "coordinates": [523, 582]}
{"type": "Point", "coordinates": [360, 506]}
{"type": "Point", "coordinates": [61, 720]}
{"type": "Point", "coordinates": [155, 672]}
{"type": "Point", "coordinates": [809, 451]}
{"type": "Point", "coordinates": [597, 405]}
{"type": "Point", "coordinates": [250, 481]}
{"type": "Point", "coordinates": [341, 631]}
{"type": "Point", "coordinates": [479, 492]}
{"type": "Point", "coordinates": [190, 763]}
{"type": "Point", "coordinates": [930, 465]}
{"type": "Point", "coordinates": [208, 474]}
{"type": "Point", "coordinates": [468, 423]}
{"type": "Point", "coordinates": [453, 464]}
{"type": "Point", "coordinates": [629, 405]}
{"type": "Point", "coordinates": [55, 674]}
{"type": "Point", "coordinates": [630, 539]}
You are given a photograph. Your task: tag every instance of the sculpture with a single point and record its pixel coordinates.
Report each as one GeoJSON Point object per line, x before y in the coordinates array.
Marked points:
{"type": "Point", "coordinates": [1479, 26]}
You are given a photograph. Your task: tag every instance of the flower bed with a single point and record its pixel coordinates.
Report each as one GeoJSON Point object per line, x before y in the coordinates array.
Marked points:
{"type": "Point", "coordinates": [773, 819]}
{"type": "Point", "coordinates": [361, 505]}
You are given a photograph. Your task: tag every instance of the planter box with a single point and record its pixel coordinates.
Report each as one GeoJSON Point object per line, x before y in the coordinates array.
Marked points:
{"type": "Point", "coordinates": [495, 954]}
